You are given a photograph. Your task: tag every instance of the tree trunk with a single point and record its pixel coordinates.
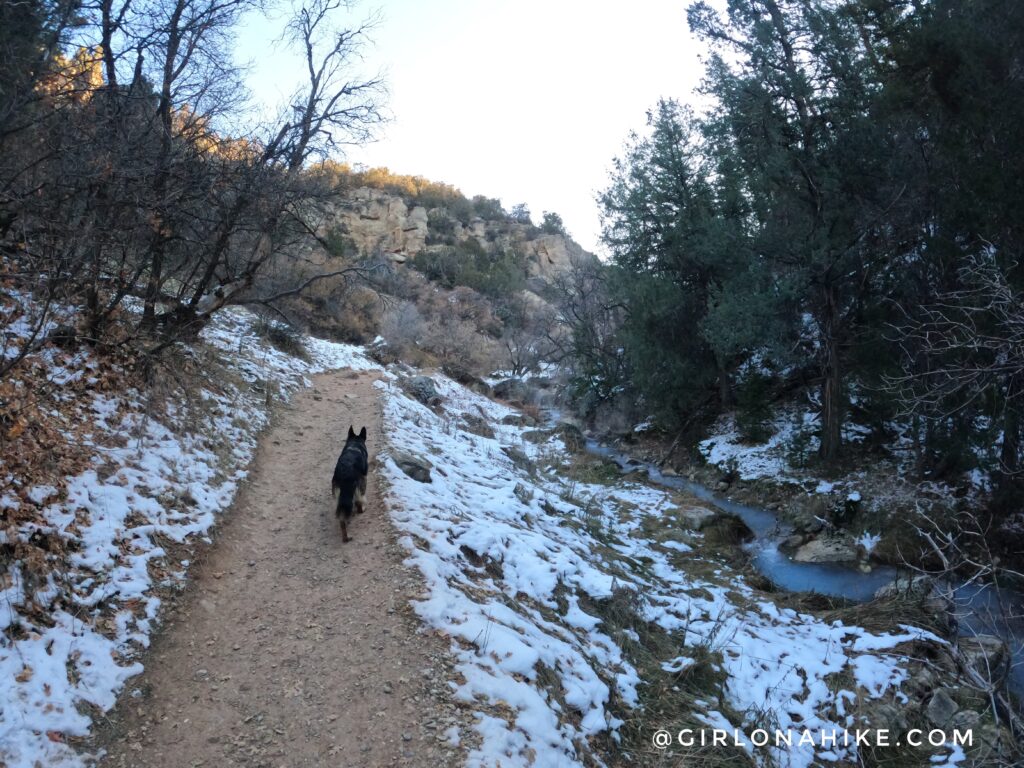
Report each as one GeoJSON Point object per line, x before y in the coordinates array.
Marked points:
{"type": "Point", "coordinates": [831, 380]}
{"type": "Point", "coordinates": [164, 112]}
{"type": "Point", "coordinates": [156, 260]}
{"type": "Point", "coordinates": [1009, 454]}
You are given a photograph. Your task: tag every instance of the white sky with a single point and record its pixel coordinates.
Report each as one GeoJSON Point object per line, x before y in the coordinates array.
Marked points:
{"type": "Point", "coordinates": [526, 101]}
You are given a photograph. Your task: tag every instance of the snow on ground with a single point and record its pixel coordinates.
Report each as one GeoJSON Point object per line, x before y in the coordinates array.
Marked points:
{"type": "Point", "coordinates": [792, 434]}
{"type": "Point", "coordinates": [544, 370]}
{"type": "Point", "coordinates": [512, 560]}
{"type": "Point", "coordinates": [69, 643]}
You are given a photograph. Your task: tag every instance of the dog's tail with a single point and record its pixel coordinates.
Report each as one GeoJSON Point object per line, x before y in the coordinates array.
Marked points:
{"type": "Point", "coordinates": [346, 497]}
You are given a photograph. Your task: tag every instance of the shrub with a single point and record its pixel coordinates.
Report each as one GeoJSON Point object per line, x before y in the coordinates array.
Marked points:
{"type": "Point", "coordinates": [283, 337]}
{"type": "Point", "coordinates": [521, 214]}
{"type": "Point", "coordinates": [798, 448]}
{"type": "Point", "coordinates": [552, 224]}
{"type": "Point", "coordinates": [488, 208]}
{"type": "Point", "coordinates": [439, 221]}
{"type": "Point", "coordinates": [753, 407]}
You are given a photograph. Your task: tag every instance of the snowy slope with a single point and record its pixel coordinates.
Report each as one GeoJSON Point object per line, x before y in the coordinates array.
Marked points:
{"type": "Point", "coordinates": [507, 575]}
{"type": "Point", "coordinates": [70, 642]}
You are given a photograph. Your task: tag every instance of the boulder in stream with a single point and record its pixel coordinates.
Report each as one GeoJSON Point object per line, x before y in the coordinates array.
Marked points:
{"type": "Point", "coordinates": [826, 549]}
{"type": "Point", "coordinates": [696, 518]}
{"type": "Point", "coordinates": [917, 586]}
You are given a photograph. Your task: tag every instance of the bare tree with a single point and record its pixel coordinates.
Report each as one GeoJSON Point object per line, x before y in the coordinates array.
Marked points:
{"type": "Point", "coordinates": [132, 184]}
{"type": "Point", "coordinates": [334, 108]}
{"type": "Point", "coordinates": [965, 348]}
{"type": "Point", "coordinates": [965, 579]}
{"type": "Point", "coordinates": [526, 335]}
{"type": "Point", "coordinates": [589, 319]}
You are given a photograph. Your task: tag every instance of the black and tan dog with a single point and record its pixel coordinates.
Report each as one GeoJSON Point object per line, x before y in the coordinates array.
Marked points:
{"type": "Point", "coordinates": [349, 480]}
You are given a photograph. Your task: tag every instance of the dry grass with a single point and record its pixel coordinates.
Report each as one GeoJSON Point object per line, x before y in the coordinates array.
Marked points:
{"type": "Point", "coordinates": [282, 337]}
{"type": "Point", "coordinates": [668, 700]}
{"type": "Point", "coordinates": [533, 411]}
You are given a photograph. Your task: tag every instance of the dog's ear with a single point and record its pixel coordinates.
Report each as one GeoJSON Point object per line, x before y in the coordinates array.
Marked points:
{"type": "Point", "coordinates": [351, 432]}
{"type": "Point", "coordinates": [362, 433]}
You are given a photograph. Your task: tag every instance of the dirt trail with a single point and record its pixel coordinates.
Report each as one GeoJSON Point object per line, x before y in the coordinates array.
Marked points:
{"type": "Point", "coordinates": [291, 649]}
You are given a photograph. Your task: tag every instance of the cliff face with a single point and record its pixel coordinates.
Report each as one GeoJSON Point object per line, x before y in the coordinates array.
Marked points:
{"type": "Point", "coordinates": [377, 221]}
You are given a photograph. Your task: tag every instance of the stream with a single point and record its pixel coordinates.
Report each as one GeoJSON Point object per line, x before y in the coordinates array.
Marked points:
{"type": "Point", "coordinates": [979, 609]}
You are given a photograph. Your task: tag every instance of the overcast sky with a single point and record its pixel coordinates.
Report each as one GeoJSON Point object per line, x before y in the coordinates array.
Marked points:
{"type": "Point", "coordinates": [527, 101]}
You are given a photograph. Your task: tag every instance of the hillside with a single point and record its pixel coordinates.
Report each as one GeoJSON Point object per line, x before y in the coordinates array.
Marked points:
{"type": "Point", "coordinates": [579, 610]}
{"type": "Point", "coordinates": [375, 221]}
{"type": "Point", "coordinates": [430, 272]}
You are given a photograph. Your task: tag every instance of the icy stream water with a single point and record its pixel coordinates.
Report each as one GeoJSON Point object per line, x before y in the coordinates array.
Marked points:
{"type": "Point", "coordinates": [980, 609]}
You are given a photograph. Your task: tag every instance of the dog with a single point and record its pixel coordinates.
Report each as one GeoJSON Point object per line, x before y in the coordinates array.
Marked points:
{"type": "Point", "coordinates": [349, 481]}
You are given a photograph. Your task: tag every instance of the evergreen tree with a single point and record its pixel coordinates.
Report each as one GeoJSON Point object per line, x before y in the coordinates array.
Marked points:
{"type": "Point", "coordinates": [659, 223]}
{"type": "Point", "coordinates": [796, 93]}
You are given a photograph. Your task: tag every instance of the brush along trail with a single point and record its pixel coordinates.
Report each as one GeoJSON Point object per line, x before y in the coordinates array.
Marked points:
{"type": "Point", "coordinates": [291, 648]}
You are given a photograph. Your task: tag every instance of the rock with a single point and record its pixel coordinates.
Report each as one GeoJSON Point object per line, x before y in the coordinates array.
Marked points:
{"type": "Point", "coordinates": [466, 378]}
{"type": "Point", "coordinates": [696, 518]}
{"type": "Point", "coordinates": [519, 458]}
{"type": "Point", "coordinates": [481, 387]}
{"type": "Point", "coordinates": [826, 549]}
{"type": "Point", "coordinates": [794, 542]}
{"type": "Point", "coordinates": [918, 586]}
{"type": "Point", "coordinates": [375, 220]}
{"type": "Point", "coordinates": [423, 389]}
{"type": "Point", "coordinates": [477, 425]}
{"type": "Point", "coordinates": [941, 708]}
{"type": "Point", "coordinates": [669, 472]}
{"type": "Point", "coordinates": [965, 719]}
{"type": "Point", "coordinates": [549, 254]}
{"type": "Point", "coordinates": [985, 656]}
{"type": "Point", "coordinates": [512, 390]}
{"type": "Point", "coordinates": [519, 420]}
{"type": "Point", "coordinates": [815, 526]}
{"type": "Point", "coordinates": [728, 530]}
{"type": "Point", "coordinates": [523, 493]}
{"type": "Point", "coordinates": [722, 486]}
{"type": "Point", "coordinates": [923, 589]}
{"type": "Point", "coordinates": [890, 716]}
{"type": "Point", "coordinates": [810, 515]}
{"type": "Point", "coordinates": [572, 436]}
{"type": "Point", "coordinates": [536, 436]}
{"type": "Point", "coordinates": [923, 681]}
{"type": "Point", "coordinates": [414, 466]}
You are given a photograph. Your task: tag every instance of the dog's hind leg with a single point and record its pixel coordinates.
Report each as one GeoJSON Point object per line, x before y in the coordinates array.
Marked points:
{"type": "Point", "coordinates": [344, 530]}
{"type": "Point", "coordinates": [360, 495]}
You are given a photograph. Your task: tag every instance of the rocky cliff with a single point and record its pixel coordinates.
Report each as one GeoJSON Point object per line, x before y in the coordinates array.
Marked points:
{"type": "Point", "coordinates": [376, 221]}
